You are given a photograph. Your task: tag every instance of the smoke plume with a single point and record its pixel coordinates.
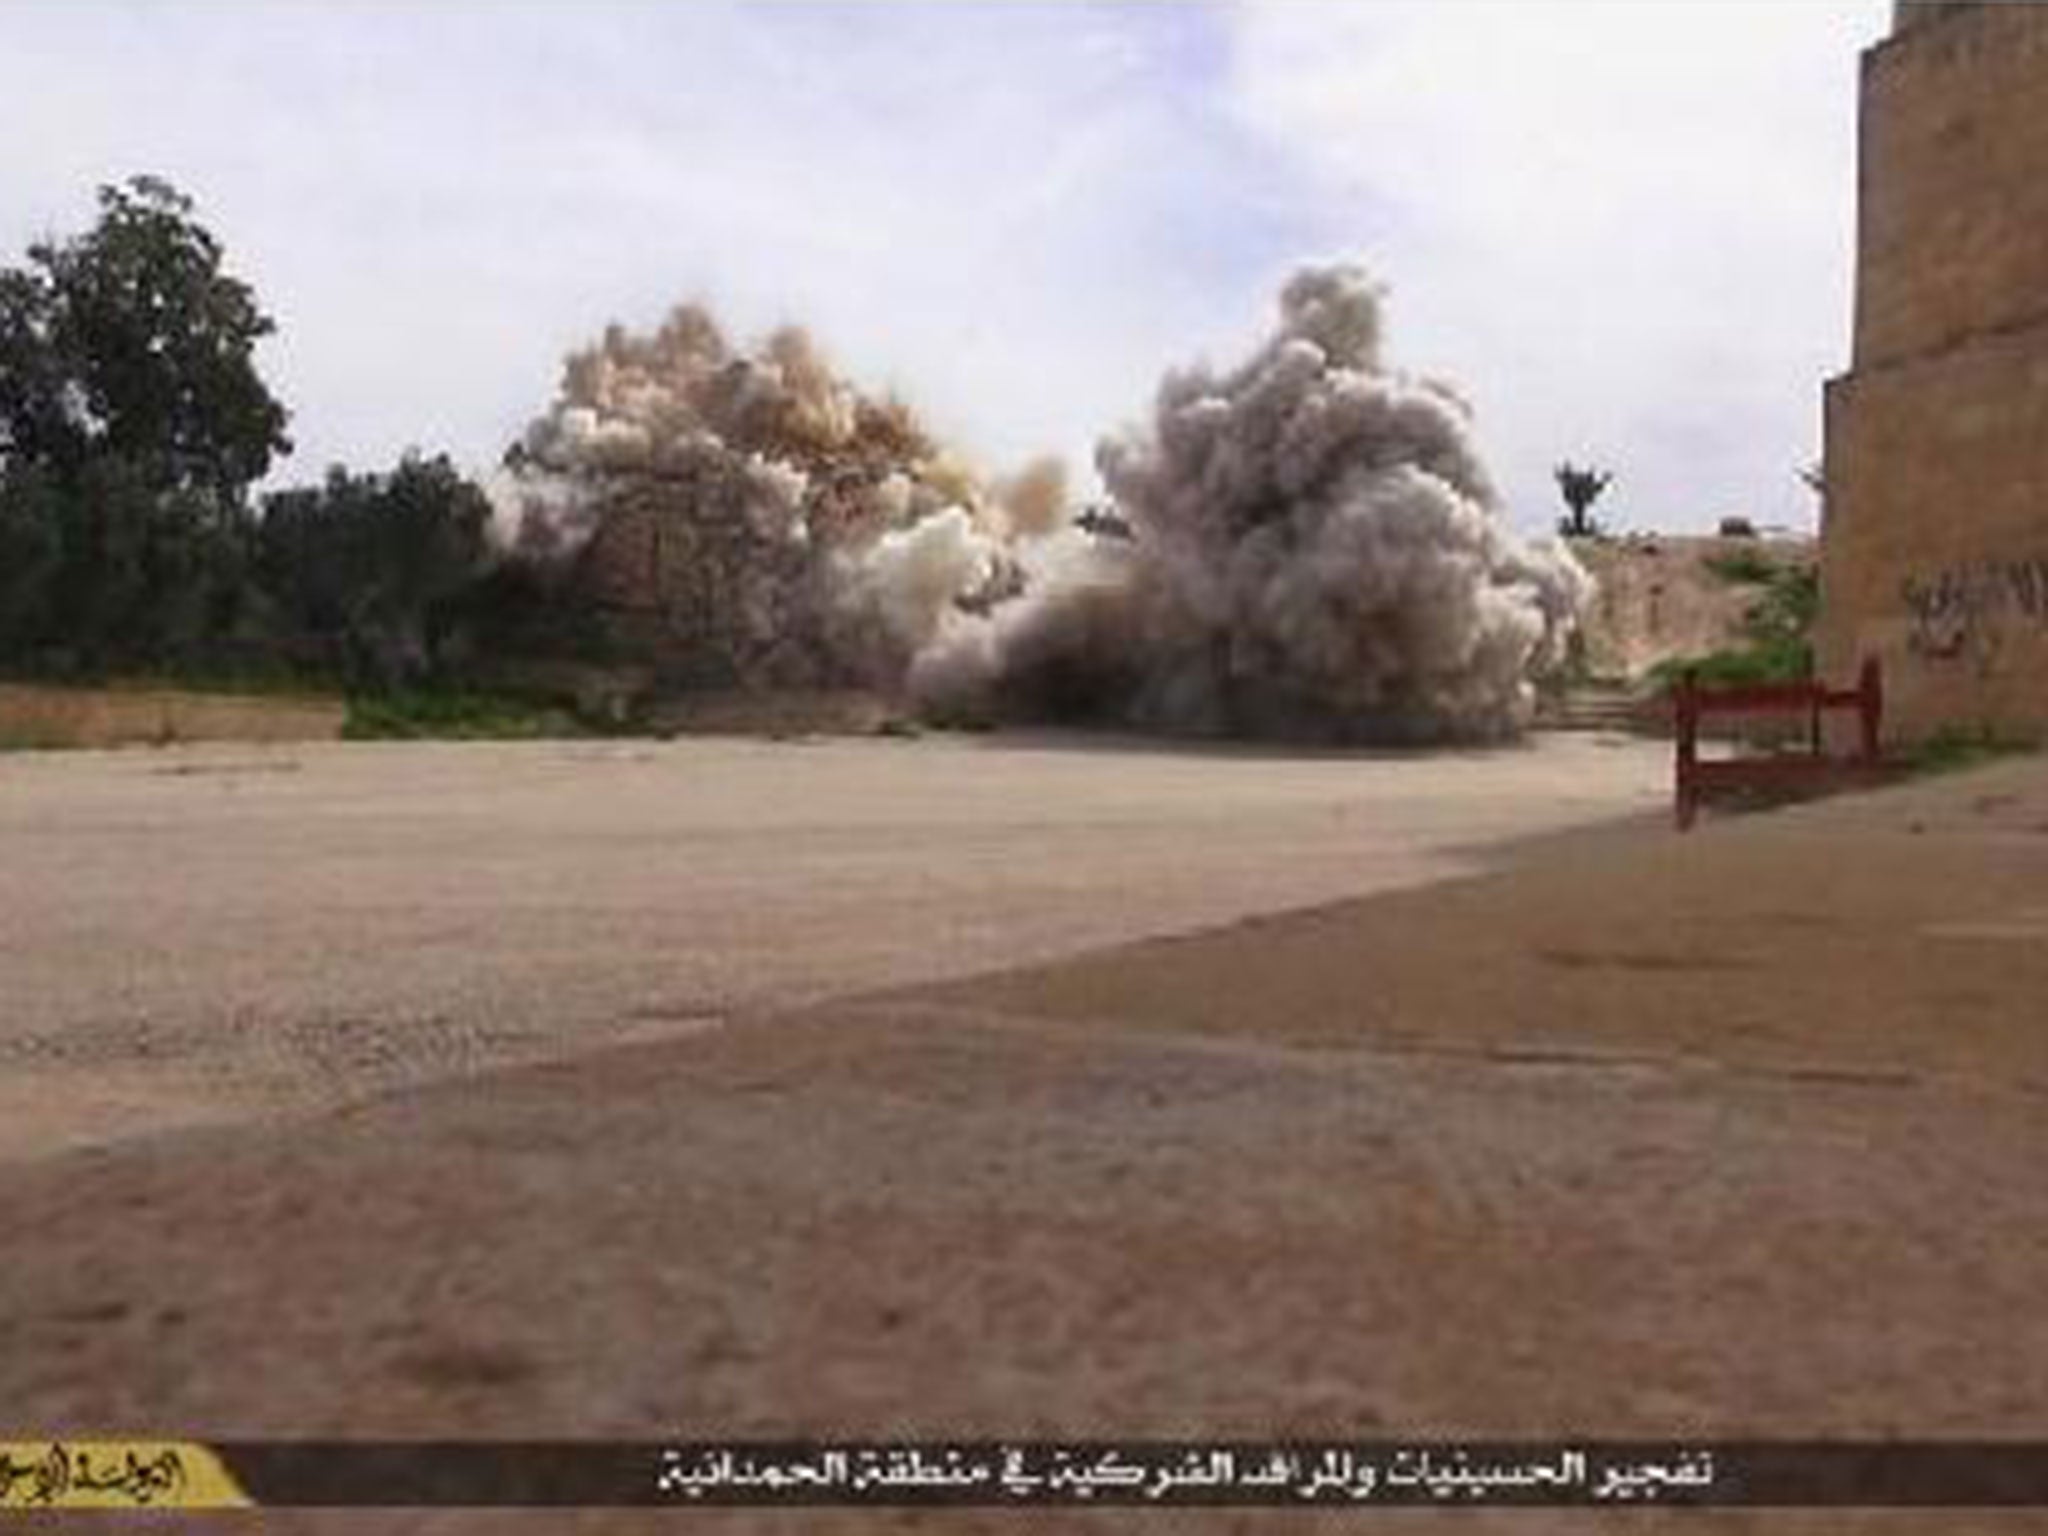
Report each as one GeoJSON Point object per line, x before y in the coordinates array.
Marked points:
{"type": "Point", "coordinates": [720, 504]}
{"type": "Point", "coordinates": [1314, 551]}
{"type": "Point", "coordinates": [1304, 546]}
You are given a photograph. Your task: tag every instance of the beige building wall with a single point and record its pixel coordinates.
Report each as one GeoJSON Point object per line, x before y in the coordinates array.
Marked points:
{"type": "Point", "coordinates": [1935, 541]}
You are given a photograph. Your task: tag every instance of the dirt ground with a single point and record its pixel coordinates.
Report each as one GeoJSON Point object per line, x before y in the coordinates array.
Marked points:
{"type": "Point", "coordinates": [198, 933]}
{"type": "Point", "coordinates": [1632, 1134]}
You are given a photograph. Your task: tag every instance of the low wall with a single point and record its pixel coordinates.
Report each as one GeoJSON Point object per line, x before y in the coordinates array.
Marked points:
{"type": "Point", "coordinates": [36, 716]}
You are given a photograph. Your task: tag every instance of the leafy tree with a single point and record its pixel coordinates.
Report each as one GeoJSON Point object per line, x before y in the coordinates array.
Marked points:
{"type": "Point", "coordinates": [30, 553]}
{"type": "Point", "coordinates": [132, 422]}
{"type": "Point", "coordinates": [374, 570]}
{"type": "Point", "coordinates": [100, 568]}
{"type": "Point", "coordinates": [1580, 487]}
{"type": "Point", "coordinates": [130, 342]}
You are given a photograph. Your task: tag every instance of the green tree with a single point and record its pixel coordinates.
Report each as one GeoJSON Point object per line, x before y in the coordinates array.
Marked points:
{"type": "Point", "coordinates": [373, 572]}
{"type": "Point", "coordinates": [1580, 487]}
{"type": "Point", "coordinates": [132, 422]}
{"type": "Point", "coordinates": [30, 556]}
{"type": "Point", "coordinates": [130, 342]}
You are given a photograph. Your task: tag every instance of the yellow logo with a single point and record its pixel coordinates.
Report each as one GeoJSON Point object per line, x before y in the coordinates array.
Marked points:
{"type": "Point", "coordinates": [114, 1474]}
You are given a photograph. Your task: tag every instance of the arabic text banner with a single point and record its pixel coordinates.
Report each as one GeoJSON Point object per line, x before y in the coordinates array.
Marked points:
{"type": "Point", "coordinates": [184, 1474]}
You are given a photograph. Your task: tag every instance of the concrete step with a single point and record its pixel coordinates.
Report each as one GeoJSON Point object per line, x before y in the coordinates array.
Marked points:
{"type": "Point", "coordinates": [1593, 711]}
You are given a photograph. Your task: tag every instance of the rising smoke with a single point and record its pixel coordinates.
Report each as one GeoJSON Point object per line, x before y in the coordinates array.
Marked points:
{"type": "Point", "coordinates": [725, 500]}
{"type": "Point", "coordinates": [1305, 546]}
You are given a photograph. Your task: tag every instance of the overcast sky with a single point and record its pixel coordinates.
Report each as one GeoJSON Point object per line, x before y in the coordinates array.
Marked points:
{"type": "Point", "coordinates": [1623, 229]}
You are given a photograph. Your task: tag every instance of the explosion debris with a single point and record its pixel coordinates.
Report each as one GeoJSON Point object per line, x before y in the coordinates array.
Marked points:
{"type": "Point", "coordinates": [711, 499]}
{"type": "Point", "coordinates": [1305, 546]}
{"type": "Point", "coordinates": [1314, 551]}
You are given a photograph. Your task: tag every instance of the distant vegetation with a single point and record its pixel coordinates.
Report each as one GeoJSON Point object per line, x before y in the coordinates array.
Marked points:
{"type": "Point", "coordinates": [1745, 566]}
{"type": "Point", "coordinates": [133, 424]}
{"type": "Point", "coordinates": [1580, 487]}
{"type": "Point", "coordinates": [371, 574]}
{"type": "Point", "coordinates": [1777, 642]}
{"type": "Point", "coordinates": [442, 714]}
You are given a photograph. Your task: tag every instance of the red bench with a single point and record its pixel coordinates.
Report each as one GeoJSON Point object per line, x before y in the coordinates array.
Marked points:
{"type": "Point", "coordinates": [1696, 779]}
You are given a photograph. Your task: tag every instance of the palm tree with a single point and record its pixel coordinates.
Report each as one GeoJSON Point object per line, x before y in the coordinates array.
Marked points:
{"type": "Point", "coordinates": [1580, 487]}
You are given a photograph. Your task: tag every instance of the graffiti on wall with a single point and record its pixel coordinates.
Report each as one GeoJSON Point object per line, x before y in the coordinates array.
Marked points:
{"type": "Point", "coordinates": [1964, 612]}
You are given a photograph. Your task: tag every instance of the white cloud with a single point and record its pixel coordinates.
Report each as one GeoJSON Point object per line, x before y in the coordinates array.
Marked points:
{"type": "Point", "coordinates": [1622, 229]}
{"type": "Point", "coordinates": [1626, 229]}
{"type": "Point", "coordinates": [437, 202]}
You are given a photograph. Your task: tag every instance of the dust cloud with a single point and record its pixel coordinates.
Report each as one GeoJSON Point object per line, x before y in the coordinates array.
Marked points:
{"type": "Point", "coordinates": [1304, 546]}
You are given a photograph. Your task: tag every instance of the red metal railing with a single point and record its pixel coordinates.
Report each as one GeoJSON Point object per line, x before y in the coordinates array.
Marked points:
{"type": "Point", "coordinates": [1696, 779]}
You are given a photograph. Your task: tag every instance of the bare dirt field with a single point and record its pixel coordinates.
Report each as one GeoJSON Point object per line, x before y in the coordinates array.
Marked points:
{"type": "Point", "coordinates": [199, 933]}
{"type": "Point", "coordinates": [1630, 1135]}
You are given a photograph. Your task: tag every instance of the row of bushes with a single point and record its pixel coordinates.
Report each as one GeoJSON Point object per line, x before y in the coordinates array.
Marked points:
{"type": "Point", "coordinates": [370, 582]}
{"type": "Point", "coordinates": [133, 424]}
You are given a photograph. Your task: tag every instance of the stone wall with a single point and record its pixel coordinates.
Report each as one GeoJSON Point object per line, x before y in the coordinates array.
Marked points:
{"type": "Point", "coordinates": [1952, 211]}
{"type": "Point", "coordinates": [1935, 541]}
